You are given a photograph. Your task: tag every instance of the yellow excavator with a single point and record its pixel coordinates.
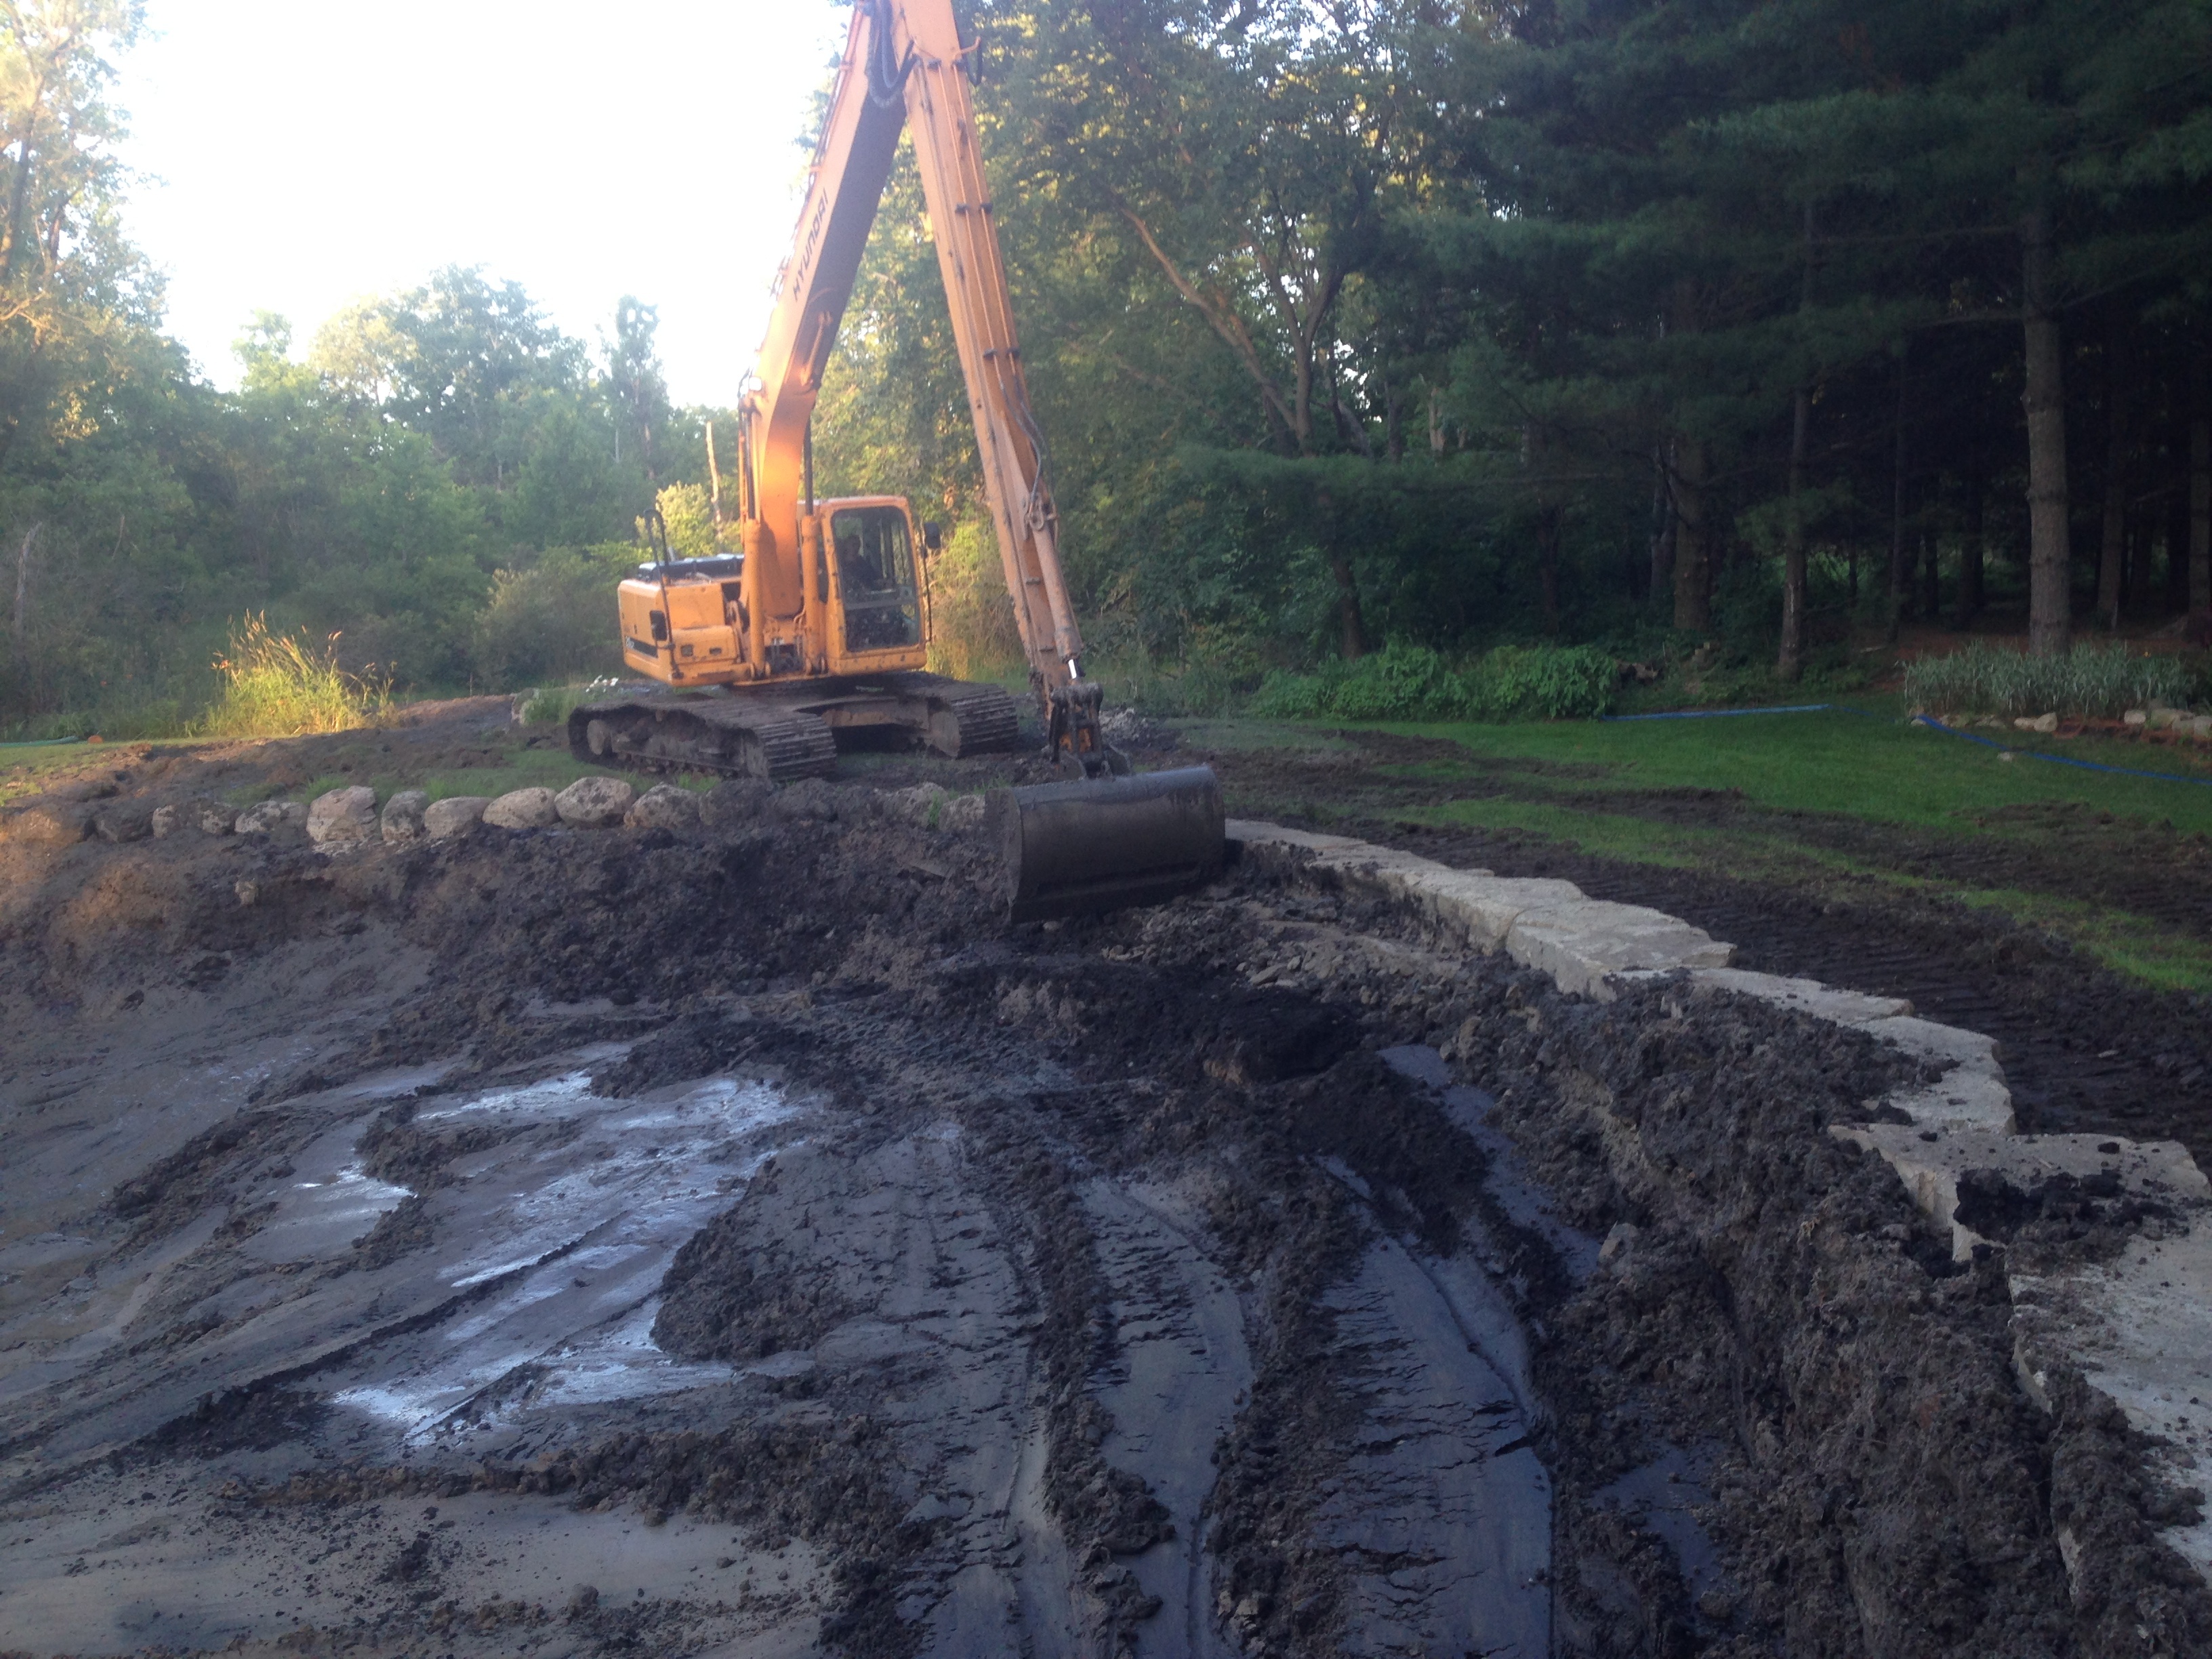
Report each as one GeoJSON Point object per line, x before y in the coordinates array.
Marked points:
{"type": "Point", "coordinates": [816, 628]}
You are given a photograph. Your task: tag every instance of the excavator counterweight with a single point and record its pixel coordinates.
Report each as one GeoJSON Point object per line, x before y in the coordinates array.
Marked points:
{"type": "Point", "coordinates": [817, 624]}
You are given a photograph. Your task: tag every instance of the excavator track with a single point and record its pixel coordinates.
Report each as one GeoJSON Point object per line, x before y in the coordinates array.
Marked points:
{"type": "Point", "coordinates": [788, 732]}
{"type": "Point", "coordinates": [737, 737]}
{"type": "Point", "coordinates": [964, 718]}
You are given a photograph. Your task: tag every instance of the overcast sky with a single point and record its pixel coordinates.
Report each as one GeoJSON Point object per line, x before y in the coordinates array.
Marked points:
{"type": "Point", "coordinates": [304, 154]}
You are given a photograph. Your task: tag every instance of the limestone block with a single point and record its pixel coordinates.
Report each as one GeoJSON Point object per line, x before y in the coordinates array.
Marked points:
{"type": "Point", "coordinates": [214, 817]}
{"type": "Point", "coordinates": [402, 820]}
{"type": "Point", "coordinates": [664, 806]}
{"type": "Point", "coordinates": [343, 817]}
{"type": "Point", "coordinates": [595, 803]}
{"type": "Point", "coordinates": [1583, 944]}
{"type": "Point", "coordinates": [263, 817]}
{"type": "Point", "coordinates": [442, 818]}
{"type": "Point", "coordinates": [1804, 996]}
{"type": "Point", "coordinates": [167, 821]}
{"type": "Point", "coordinates": [522, 809]}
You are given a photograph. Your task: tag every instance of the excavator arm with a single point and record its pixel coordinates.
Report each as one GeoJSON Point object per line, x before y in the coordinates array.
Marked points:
{"type": "Point", "coordinates": [1098, 839]}
{"type": "Point", "coordinates": [904, 65]}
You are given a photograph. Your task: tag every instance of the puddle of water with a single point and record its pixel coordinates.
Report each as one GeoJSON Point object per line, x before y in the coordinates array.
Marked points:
{"type": "Point", "coordinates": [583, 1233]}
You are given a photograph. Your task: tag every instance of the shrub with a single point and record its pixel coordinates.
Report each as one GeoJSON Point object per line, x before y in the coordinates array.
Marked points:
{"type": "Point", "coordinates": [1542, 682]}
{"type": "Point", "coordinates": [972, 635]}
{"type": "Point", "coordinates": [1413, 683]}
{"type": "Point", "coordinates": [553, 705]}
{"type": "Point", "coordinates": [553, 620]}
{"type": "Point", "coordinates": [276, 686]}
{"type": "Point", "coordinates": [2098, 680]}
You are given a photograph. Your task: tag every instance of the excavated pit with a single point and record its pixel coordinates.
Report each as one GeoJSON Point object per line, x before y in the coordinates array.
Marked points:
{"type": "Point", "coordinates": [742, 1241]}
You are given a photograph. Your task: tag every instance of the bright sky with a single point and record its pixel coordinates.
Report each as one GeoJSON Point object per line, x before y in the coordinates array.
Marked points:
{"type": "Point", "coordinates": [306, 154]}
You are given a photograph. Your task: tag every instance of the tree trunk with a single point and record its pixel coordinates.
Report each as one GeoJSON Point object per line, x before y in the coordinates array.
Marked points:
{"type": "Point", "coordinates": [2112, 546]}
{"type": "Point", "coordinates": [1693, 585]}
{"type": "Point", "coordinates": [1790, 662]}
{"type": "Point", "coordinates": [1436, 422]}
{"type": "Point", "coordinates": [1894, 600]}
{"type": "Point", "coordinates": [1352, 635]}
{"type": "Point", "coordinates": [2200, 494]}
{"type": "Point", "coordinates": [1547, 560]}
{"type": "Point", "coordinates": [1973, 556]}
{"type": "Point", "coordinates": [23, 591]}
{"type": "Point", "coordinates": [2177, 524]}
{"type": "Point", "coordinates": [1663, 522]}
{"type": "Point", "coordinates": [2050, 558]}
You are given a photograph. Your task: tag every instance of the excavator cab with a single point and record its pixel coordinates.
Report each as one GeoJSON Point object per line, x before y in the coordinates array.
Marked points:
{"type": "Point", "coordinates": [872, 543]}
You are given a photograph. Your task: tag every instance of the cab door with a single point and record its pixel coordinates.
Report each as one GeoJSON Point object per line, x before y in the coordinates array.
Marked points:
{"type": "Point", "coordinates": [878, 589]}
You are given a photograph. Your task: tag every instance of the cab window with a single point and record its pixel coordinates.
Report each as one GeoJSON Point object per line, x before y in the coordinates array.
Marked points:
{"type": "Point", "coordinates": [876, 578]}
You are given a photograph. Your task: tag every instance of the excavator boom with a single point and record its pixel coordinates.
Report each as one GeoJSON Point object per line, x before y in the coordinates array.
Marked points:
{"type": "Point", "coordinates": [818, 624]}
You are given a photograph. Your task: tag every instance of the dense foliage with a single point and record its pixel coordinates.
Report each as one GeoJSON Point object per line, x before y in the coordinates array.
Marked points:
{"type": "Point", "coordinates": [1449, 324]}
{"type": "Point", "coordinates": [1423, 324]}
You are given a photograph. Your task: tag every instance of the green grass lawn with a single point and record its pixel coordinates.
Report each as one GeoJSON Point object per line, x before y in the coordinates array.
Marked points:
{"type": "Point", "coordinates": [1793, 782]}
{"type": "Point", "coordinates": [1879, 769]}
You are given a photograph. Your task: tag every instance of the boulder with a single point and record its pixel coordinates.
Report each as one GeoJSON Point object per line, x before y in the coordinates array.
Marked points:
{"type": "Point", "coordinates": [50, 824]}
{"type": "Point", "coordinates": [664, 806]}
{"type": "Point", "coordinates": [343, 817]}
{"type": "Point", "coordinates": [2135, 717]}
{"type": "Point", "coordinates": [522, 809]}
{"type": "Point", "coordinates": [595, 803]}
{"type": "Point", "coordinates": [403, 817]}
{"type": "Point", "coordinates": [2036, 722]}
{"type": "Point", "coordinates": [213, 817]}
{"type": "Point", "coordinates": [264, 816]}
{"type": "Point", "coordinates": [129, 822]}
{"type": "Point", "coordinates": [449, 817]}
{"type": "Point", "coordinates": [167, 821]}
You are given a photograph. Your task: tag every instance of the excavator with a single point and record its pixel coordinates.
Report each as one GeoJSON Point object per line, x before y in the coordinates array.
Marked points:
{"type": "Point", "coordinates": [816, 629]}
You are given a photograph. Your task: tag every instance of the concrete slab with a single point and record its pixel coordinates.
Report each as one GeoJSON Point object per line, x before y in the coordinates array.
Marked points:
{"type": "Point", "coordinates": [1584, 942]}
{"type": "Point", "coordinates": [1552, 927]}
{"type": "Point", "coordinates": [1804, 996]}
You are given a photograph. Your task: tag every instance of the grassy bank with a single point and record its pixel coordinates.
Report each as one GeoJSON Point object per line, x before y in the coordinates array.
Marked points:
{"type": "Point", "coordinates": [1820, 802]}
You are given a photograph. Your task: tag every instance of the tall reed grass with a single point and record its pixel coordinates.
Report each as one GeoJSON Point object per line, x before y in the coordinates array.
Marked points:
{"type": "Point", "coordinates": [276, 685]}
{"type": "Point", "coordinates": [2097, 681]}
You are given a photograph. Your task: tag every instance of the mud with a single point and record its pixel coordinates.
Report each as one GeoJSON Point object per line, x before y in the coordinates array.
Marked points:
{"type": "Point", "coordinates": [2084, 1050]}
{"type": "Point", "coordinates": [740, 1240]}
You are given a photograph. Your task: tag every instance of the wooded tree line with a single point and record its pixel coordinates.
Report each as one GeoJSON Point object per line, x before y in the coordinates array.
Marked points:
{"type": "Point", "coordinates": [439, 476]}
{"type": "Point", "coordinates": [1378, 320]}
{"type": "Point", "coordinates": [1451, 323]}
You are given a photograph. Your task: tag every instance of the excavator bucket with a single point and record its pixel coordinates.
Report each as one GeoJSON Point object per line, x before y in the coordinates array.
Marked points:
{"type": "Point", "coordinates": [1079, 848]}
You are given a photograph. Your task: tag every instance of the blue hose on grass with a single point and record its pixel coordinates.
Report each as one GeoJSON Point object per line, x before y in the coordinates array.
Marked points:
{"type": "Point", "coordinates": [2057, 760]}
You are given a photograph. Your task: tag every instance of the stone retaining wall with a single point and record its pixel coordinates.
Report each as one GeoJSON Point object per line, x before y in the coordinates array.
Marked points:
{"type": "Point", "coordinates": [2137, 1327]}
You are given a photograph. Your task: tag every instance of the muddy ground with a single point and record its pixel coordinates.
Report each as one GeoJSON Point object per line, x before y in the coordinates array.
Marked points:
{"type": "Point", "coordinates": [740, 1240]}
